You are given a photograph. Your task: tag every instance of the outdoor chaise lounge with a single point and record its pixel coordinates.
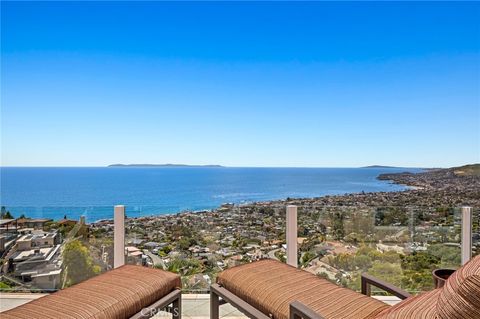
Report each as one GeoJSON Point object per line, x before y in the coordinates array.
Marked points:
{"type": "Point", "coordinates": [271, 289]}
{"type": "Point", "coordinates": [126, 292]}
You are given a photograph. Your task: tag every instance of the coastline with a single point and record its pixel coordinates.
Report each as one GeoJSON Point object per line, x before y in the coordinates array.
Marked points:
{"type": "Point", "coordinates": [328, 225]}
{"type": "Point", "coordinates": [428, 189]}
{"type": "Point", "coordinates": [172, 190]}
{"type": "Point", "coordinates": [207, 241]}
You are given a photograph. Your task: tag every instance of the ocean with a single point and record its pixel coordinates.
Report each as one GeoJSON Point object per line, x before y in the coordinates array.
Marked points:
{"type": "Point", "coordinates": [92, 192]}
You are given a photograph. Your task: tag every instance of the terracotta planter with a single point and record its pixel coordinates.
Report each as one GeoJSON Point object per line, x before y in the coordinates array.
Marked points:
{"type": "Point", "coordinates": [440, 276]}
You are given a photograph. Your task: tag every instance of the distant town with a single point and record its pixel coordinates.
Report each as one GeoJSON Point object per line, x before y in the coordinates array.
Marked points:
{"type": "Point", "coordinates": [384, 233]}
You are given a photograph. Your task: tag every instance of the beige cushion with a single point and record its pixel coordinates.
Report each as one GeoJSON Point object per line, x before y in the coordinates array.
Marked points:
{"type": "Point", "coordinates": [416, 307]}
{"type": "Point", "coordinates": [270, 286]}
{"type": "Point", "coordinates": [118, 293]}
{"type": "Point", "coordinates": [460, 297]}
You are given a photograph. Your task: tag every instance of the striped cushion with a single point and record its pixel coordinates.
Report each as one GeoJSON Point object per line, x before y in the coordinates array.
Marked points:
{"type": "Point", "coordinates": [460, 297]}
{"type": "Point", "coordinates": [270, 286]}
{"type": "Point", "coordinates": [418, 307]}
{"type": "Point", "coordinates": [118, 293]}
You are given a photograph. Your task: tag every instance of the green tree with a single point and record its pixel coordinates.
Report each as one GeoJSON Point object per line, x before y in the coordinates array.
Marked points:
{"type": "Point", "coordinates": [417, 280]}
{"type": "Point", "coordinates": [77, 263]}
{"type": "Point", "coordinates": [417, 270]}
{"type": "Point", "coordinates": [239, 242]}
{"type": "Point", "coordinates": [419, 261]}
{"type": "Point", "coordinates": [363, 262]}
{"type": "Point", "coordinates": [4, 285]}
{"type": "Point", "coordinates": [337, 225]}
{"type": "Point", "coordinates": [186, 242]}
{"type": "Point", "coordinates": [185, 266]}
{"type": "Point", "coordinates": [449, 256]}
{"type": "Point", "coordinates": [391, 273]}
{"type": "Point", "coordinates": [307, 257]}
{"type": "Point", "coordinates": [5, 214]}
{"type": "Point", "coordinates": [165, 251]}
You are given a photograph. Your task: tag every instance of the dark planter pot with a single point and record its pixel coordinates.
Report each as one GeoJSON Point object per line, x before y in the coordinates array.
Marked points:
{"type": "Point", "coordinates": [440, 276]}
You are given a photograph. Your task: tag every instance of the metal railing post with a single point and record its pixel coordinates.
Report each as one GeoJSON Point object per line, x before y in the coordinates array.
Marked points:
{"type": "Point", "coordinates": [466, 234]}
{"type": "Point", "coordinates": [291, 235]}
{"type": "Point", "coordinates": [119, 236]}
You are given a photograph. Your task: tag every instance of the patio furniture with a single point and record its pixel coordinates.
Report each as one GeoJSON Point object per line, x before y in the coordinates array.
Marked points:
{"type": "Point", "coordinates": [269, 289]}
{"type": "Point", "coordinates": [126, 292]}
{"type": "Point", "coordinates": [440, 276]}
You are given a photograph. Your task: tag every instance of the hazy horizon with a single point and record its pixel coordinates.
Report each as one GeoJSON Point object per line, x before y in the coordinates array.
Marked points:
{"type": "Point", "coordinates": [166, 165]}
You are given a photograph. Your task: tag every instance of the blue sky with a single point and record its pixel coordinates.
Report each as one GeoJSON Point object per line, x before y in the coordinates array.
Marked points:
{"type": "Point", "coordinates": [240, 84]}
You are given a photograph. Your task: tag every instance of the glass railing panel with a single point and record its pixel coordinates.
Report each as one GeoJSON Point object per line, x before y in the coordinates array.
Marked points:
{"type": "Point", "coordinates": [401, 245]}
{"type": "Point", "coordinates": [173, 240]}
{"type": "Point", "coordinates": [475, 231]}
{"type": "Point", "coordinates": [199, 245]}
{"type": "Point", "coordinates": [147, 239]}
{"type": "Point", "coordinates": [44, 249]}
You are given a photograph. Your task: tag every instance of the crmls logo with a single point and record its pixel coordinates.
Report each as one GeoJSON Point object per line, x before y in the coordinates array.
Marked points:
{"type": "Point", "coordinates": [150, 312]}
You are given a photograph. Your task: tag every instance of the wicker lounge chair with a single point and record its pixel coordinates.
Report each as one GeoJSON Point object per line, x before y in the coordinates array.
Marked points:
{"type": "Point", "coordinates": [269, 289]}
{"type": "Point", "coordinates": [126, 292]}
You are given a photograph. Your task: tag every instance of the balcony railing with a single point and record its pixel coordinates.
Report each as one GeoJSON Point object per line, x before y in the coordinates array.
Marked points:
{"type": "Point", "coordinates": [334, 242]}
{"type": "Point", "coordinates": [453, 233]}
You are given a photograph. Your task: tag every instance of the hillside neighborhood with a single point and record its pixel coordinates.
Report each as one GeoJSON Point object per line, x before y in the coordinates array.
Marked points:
{"type": "Point", "coordinates": [338, 237]}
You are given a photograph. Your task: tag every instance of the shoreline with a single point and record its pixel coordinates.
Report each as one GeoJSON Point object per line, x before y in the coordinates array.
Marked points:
{"type": "Point", "coordinates": [216, 207]}
{"type": "Point", "coordinates": [429, 189]}
{"type": "Point", "coordinates": [254, 203]}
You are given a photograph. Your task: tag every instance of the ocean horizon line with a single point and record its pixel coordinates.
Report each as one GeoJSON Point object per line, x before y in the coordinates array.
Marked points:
{"type": "Point", "coordinates": [219, 166]}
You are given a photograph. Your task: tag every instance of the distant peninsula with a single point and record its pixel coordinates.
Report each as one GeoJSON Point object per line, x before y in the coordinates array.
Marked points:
{"type": "Point", "coordinates": [161, 165]}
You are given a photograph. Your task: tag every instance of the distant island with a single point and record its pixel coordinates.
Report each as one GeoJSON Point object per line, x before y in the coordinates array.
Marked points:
{"type": "Point", "coordinates": [379, 166]}
{"type": "Point", "coordinates": [161, 165]}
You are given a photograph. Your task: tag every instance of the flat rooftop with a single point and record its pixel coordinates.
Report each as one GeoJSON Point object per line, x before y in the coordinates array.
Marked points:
{"type": "Point", "coordinates": [5, 221]}
{"type": "Point", "coordinates": [42, 253]}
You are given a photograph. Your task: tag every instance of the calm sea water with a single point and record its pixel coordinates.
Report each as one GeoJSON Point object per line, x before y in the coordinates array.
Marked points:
{"type": "Point", "coordinates": [55, 192]}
